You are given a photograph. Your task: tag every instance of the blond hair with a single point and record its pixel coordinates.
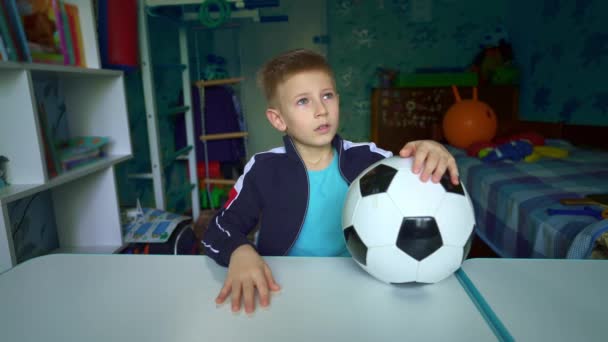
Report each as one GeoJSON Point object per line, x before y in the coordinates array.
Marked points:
{"type": "Point", "coordinates": [287, 64]}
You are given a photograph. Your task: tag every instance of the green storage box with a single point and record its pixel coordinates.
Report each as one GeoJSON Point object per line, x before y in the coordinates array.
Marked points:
{"type": "Point", "coordinates": [444, 79]}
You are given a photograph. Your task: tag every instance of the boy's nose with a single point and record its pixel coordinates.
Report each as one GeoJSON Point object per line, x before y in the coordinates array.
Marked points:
{"type": "Point", "coordinates": [320, 109]}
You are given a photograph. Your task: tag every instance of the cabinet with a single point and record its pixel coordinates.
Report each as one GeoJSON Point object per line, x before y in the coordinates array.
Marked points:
{"type": "Point", "coordinates": [84, 199]}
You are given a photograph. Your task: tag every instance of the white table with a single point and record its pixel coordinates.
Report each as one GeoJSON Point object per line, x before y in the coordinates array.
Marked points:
{"type": "Point", "coordinates": [545, 299]}
{"type": "Point", "coordinates": [171, 298]}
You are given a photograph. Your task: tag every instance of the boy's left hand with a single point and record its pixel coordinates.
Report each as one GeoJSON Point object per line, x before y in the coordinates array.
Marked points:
{"type": "Point", "coordinates": [434, 157]}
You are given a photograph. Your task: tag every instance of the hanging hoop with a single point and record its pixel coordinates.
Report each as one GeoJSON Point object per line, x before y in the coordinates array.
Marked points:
{"type": "Point", "coordinates": [212, 21]}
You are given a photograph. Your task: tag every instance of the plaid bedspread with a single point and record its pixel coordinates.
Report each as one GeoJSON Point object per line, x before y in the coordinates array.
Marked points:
{"type": "Point", "coordinates": [511, 201]}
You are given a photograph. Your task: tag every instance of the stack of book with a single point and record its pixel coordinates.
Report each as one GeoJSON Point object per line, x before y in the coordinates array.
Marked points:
{"type": "Point", "coordinates": [81, 150]}
{"type": "Point", "coordinates": [42, 31]}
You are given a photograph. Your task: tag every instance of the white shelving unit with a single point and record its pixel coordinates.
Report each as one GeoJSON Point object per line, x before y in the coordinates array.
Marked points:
{"type": "Point", "coordinates": [84, 199]}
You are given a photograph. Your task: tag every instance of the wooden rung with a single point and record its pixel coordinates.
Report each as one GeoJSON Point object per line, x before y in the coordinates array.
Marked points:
{"type": "Point", "coordinates": [220, 181]}
{"type": "Point", "coordinates": [203, 83]}
{"type": "Point", "coordinates": [219, 136]}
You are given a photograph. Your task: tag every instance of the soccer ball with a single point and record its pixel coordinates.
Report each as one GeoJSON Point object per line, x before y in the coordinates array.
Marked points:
{"type": "Point", "coordinates": [400, 229]}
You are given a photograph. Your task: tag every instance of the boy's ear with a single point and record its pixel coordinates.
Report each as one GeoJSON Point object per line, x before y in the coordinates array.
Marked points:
{"type": "Point", "coordinates": [275, 119]}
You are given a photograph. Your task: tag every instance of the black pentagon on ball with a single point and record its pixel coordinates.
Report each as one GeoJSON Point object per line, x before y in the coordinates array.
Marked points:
{"type": "Point", "coordinates": [449, 187]}
{"type": "Point", "coordinates": [419, 237]}
{"type": "Point", "coordinates": [377, 180]}
{"type": "Point", "coordinates": [356, 247]}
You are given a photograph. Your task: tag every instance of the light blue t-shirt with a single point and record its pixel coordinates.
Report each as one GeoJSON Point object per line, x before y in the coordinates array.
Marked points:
{"type": "Point", "coordinates": [322, 234]}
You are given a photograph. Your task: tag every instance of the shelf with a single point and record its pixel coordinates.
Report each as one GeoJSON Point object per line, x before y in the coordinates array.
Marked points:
{"type": "Point", "coordinates": [210, 83]}
{"type": "Point", "coordinates": [55, 68]}
{"type": "Point", "coordinates": [220, 136]}
{"type": "Point", "coordinates": [220, 181]}
{"type": "Point", "coordinates": [10, 65]}
{"type": "Point", "coordinates": [18, 191]}
{"type": "Point", "coordinates": [81, 203]}
{"type": "Point", "coordinates": [152, 3]}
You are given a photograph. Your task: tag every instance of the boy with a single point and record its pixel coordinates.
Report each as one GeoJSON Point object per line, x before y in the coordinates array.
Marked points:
{"type": "Point", "coordinates": [299, 189]}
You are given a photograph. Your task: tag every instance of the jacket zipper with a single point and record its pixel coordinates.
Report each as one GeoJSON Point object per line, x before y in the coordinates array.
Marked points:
{"type": "Point", "coordinates": [340, 164]}
{"type": "Point", "coordinates": [307, 197]}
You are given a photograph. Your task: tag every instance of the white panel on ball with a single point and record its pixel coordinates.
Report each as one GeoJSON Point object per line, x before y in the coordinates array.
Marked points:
{"type": "Point", "coordinates": [377, 220]}
{"type": "Point", "coordinates": [414, 197]}
{"type": "Point", "coordinates": [399, 163]}
{"type": "Point", "coordinates": [455, 219]}
{"type": "Point", "coordinates": [350, 204]}
{"type": "Point", "coordinates": [439, 265]}
{"type": "Point", "coordinates": [389, 264]}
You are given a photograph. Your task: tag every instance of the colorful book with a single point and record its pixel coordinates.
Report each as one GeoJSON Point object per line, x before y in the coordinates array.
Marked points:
{"type": "Point", "coordinates": [76, 33]}
{"type": "Point", "coordinates": [67, 34]}
{"type": "Point", "coordinates": [84, 147]}
{"type": "Point", "coordinates": [41, 27]}
{"type": "Point", "coordinates": [53, 164]}
{"type": "Point", "coordinates": [7, 36]}
{"type": "Point", "coordinates": [61, 30]}
{"type": "Point", "coordinates": [17, 30]}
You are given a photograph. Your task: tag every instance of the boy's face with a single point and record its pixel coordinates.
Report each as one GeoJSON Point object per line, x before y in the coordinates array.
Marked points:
{"type": "Point", "coordinates": [307, 108]}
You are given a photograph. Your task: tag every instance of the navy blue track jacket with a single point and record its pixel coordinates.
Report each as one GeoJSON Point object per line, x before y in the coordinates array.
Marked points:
{"type": "Point", "coordinates": [274, 188]}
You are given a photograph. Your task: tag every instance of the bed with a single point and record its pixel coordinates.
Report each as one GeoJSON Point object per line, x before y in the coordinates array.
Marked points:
{"type": "Point", "coordinates": [512, 201]}
{"type": "Point", "coordinates": [510, 198]}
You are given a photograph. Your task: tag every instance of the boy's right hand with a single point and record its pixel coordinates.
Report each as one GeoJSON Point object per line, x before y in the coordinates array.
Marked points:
{"type": "Point", "coordinates": [246, 272]}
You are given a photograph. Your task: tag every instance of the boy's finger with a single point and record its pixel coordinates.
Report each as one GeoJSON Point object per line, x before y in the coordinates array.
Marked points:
{"type": "Point", "coordinates": [224, 292]}
{"type": "Point", "coordinates": [248, 296]}
{"type": "Point", "coordinates": [236, 296]}
{"type": "Point", "coordinates": [439, 171]}
{"type": "Point", "coordinates": [262, 286]}
{"type": "Point", "coordinates": [419, 158]}
{"type": "Point", "coordinates": [407, 150]}
{"type": "Point", "coordinates": [270, 279]}
{"type": "Point", "coordinates": [453, 170]}
{"type": "Point", "coordinates": [429, 166]}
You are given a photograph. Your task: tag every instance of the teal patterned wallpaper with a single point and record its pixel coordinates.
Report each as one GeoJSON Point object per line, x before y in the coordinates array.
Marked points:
{"type": "Point", "coordinates": [366, 34]}
{"type": "Point", "coordinates": [562, 47]}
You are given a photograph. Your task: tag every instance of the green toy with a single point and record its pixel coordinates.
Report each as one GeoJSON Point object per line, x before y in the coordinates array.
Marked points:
{"type": "Point", "coordinates": [218, 197]}
{"type": "Point", "coordinates": [213, 21]}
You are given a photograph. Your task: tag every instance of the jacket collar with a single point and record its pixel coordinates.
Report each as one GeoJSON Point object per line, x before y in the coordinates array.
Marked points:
{"type": "Point", "coordinates": [290, 146]}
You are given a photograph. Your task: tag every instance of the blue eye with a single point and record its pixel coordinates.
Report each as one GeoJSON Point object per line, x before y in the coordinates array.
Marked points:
{"type": "Point", "coordinates": [328, 96]}
{"type": "Point", "coordinates": [302, 101]}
